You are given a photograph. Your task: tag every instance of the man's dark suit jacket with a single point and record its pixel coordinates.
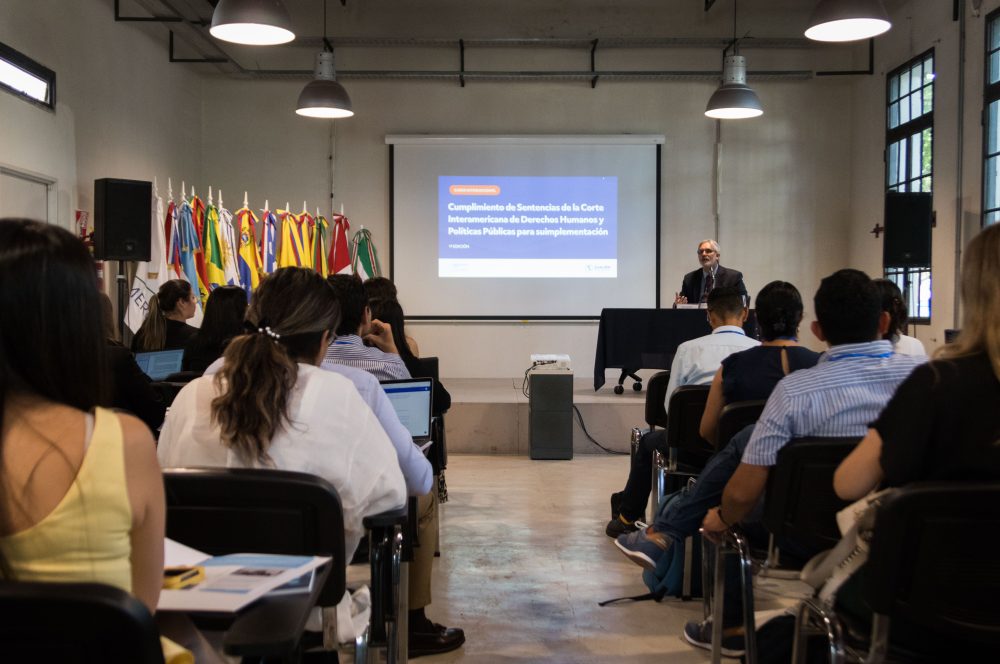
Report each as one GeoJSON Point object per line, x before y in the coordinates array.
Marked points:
{"type": "Point", "coordinates": [692, 285]}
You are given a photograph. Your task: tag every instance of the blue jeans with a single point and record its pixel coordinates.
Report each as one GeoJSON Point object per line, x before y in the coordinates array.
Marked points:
{"type": "Point", "coordinates": [687, 511]}
{"type": "Point", "coordinates": [640, 476]}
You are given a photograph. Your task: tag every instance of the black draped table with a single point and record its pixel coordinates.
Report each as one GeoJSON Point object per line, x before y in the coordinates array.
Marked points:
{"type": "Point", "coordinates": [633, 339]}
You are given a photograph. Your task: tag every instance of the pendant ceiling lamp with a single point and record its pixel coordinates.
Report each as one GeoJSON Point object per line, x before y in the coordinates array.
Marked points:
{"type": "Point", "coordinates": [847, 20]}
{"type": "Point", "coordinates": [253, 22]}
{"type": "Point", "coordinates": [734, 99]}
{"type": "Point", "coordinates": [324, 97]}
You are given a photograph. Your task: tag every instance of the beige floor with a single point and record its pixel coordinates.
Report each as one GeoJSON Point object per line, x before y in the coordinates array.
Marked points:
{"type": "Point", "coordinates": [525, 561]}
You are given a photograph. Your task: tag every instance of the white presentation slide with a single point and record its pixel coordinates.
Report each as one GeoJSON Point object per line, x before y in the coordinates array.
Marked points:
{"type": "Point", "coordinates": [527, 227]}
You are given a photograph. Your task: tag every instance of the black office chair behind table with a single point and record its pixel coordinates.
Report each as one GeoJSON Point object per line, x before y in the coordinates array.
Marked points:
{"type": "Point", "coordinates": [230, 510]}
{"type": "Point", "coordinates": [931, 587]}
{"type": "Point", "coordinates": [799, 503]}
{"type": "Point", "coordinates": [84, 623]}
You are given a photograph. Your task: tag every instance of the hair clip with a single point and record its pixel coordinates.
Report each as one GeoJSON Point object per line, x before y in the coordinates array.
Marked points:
{"type": "Point", "coordinates": [267, 330]}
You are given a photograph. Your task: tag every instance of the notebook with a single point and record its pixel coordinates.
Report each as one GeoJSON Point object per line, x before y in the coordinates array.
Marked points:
{"type": "Point", "coordinates": [412, 400]}
{"type": "Point", "coordinates": [160, 364]}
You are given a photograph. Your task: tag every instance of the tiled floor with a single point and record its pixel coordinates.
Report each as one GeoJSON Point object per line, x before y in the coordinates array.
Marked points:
{"type": "Point", "coordinates": [525, 561]}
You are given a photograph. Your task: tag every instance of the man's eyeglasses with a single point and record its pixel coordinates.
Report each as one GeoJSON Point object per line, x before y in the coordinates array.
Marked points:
{"type": "Point", "coordinates": [706, 251]}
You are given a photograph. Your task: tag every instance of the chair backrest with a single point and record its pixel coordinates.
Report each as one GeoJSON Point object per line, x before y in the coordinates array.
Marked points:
{"type": "Point", "coordinates": [933, 560]}
{"type": "Point", "coordinates": [81, 623]}
{"type": "Point", "coordinates": [800, 500]}
{"type": "Point", "coordinates": [239, 510]}
{"type": "Point", "coordinates": [737, 416]}
{"type": "Point", "coordinates": [656, 396]}
{"type": "Point", "coordinates": [428, 367]}
{"type": "Point", "coordinates": [687, 405]}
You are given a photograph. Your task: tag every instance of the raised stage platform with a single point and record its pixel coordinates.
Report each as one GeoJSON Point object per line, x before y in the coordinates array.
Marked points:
{"type": "Point", "coordinates": [490, 416]}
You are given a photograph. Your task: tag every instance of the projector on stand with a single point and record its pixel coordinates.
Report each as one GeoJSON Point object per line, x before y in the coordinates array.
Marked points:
{"type": "Point", "coordinates": [550, 407]}
{"type": "Point", "coordinates": [550, 362]}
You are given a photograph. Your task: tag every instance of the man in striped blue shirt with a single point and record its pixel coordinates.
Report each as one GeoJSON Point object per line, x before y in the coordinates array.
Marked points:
{"type": "Point", "coordinates": [839, 397]}
{"type": "Point", "coordinates": [348, 348]}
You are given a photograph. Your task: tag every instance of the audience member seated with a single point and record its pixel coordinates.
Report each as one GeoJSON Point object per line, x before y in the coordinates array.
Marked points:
{"type": "Point", "coordinates": [130, 387]}
{"type": "Point", "coordinates": [941, 424]}
{"type": "Point", "coordinates": [272, 406]}
{"type": "Point", "coordinates": [748, 375]}
{"type": "Point", "coordinates": [223, 320]}
{"type": "Point", "coordinates": [838, 397]}
{"type": "Point", "coordinates": [695, 363]}
{"type": "Point", "coordinates": [164, 327]}
{"type": "Point", "coordinates": [390, 312]}
{"type": "Point", "coordinates": [892, 302]}
{"type": "Point", "coordinates": [381, 288]}
{"type": "Point", "coordinates": [81, 491]}
{"type": "Point", "coordinates": [356, 329]}
{"type": "Point", "coordinates": [425, 637]}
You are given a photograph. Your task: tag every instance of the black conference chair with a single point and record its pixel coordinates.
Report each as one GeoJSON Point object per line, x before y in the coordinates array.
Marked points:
{"type": "Point", "coordinates": [687, 404]}
{"type": "Point", "coordinates": [231, 510]}
{"type": "Point", "coordinates": [83, 623]}
{"type": "Point", "coordinates": [735, 417]}
{"type": "Point", "coordinates": [927, 577]}
{"type": "Point", "coordinates": [656, 397]}
{"type": "Point", "coordinates": [799, 502]}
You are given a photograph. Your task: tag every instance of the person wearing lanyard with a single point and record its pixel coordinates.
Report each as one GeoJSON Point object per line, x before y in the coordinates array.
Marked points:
{"type": "Point", "coordinates": [839, 397]}
{"type": "Point", "coordinates": [699, 283]}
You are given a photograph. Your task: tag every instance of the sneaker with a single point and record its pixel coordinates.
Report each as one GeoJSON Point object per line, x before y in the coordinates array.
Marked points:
{"type": "Point", "coordinates": [618, 527]}
{"type": "Point", "coordinates": [699, 634]}
{"type": "Point", "coordinates": [644, 547]}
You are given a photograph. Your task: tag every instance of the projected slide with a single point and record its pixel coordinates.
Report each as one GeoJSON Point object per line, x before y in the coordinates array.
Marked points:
{"type": "Point", "coordinates": [528, 227]}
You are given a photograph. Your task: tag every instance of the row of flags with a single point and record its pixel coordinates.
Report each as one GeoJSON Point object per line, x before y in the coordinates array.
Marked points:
{"type": "Point", "coordinates": [208, 246]}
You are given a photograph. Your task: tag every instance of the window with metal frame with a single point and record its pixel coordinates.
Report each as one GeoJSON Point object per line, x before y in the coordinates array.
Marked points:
{"type": "Point", "coordinates": [991, 120]}
{"type": "Point", "coordinates": [909, 161]}
{"type": "Point", "coordinates": [25, 78]}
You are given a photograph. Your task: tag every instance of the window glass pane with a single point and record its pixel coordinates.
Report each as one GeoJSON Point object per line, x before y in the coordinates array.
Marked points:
{"type": "Point", "coordinates": [990, 184]}
{"type": "Point", "coordinates": [991, 128]}
{"type": "Point", "coordinates": [916, 105]}
{"type": "Point", "coordinates": [916, 155]}
{"type": "Point", "coordinates": [928, 99]}
{"type": "Point", "coordinates": [894, 115]}
{"type": "Point", "coordinates": [904, 82]}
{"type": "Point", "coordinates": [904, 110]}
{"type": "Point", "coordinates": [995, 66]}
{"type": "Point", "coordinates": [992, 217]}
{"type": "Point", "coordinates": [994, 34]}
{"type": "Point", "coordinates": [893, 88]}
{"type": "Point", "coordinates": [893, 163]}
{"type": "Point", "coordinates": [916, 76]}
{"type": "Point", "coordinates": [927, 151]}
{"type": "Point", "coordinates": [925, 185]}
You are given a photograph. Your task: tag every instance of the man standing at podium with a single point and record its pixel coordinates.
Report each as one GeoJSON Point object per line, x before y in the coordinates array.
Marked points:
{"type": "Point", "coordinates": [699, 283]}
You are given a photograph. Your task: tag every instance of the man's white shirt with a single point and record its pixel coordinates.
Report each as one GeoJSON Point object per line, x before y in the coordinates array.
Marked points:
{"type": "Point", "coordinates": [697, 360]}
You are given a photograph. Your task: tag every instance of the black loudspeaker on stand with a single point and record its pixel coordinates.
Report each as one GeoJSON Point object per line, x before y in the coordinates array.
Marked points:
{"type": "Point", "coordinates": [122, 226]}
{"type": "Point", "coordinates": [909, 218]}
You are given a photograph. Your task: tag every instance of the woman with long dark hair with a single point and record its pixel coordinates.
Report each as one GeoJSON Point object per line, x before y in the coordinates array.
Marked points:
{"type": "Point", "coordinates": [224, 312]}
{"type": "Point", "coordinates": [164, 327]}
{"type": "Point", "coordinates": [272, 406]}
{"type": "Point", "coordinates": [81, 497]}
{"type": "Point", "coordinates": [899, 316]}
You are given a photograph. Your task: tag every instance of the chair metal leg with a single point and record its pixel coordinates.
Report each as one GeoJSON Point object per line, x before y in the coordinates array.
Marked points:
{"type": "Point", "coordinates": [687, 572]}
{"type": "Point", "coordinates": [396, 638]}
{"type": "Point", "coordinates": [746, 587]}
{"type": "Point", "coordinates": [361, 647]}
{"type": "Point", "coordinates": [814, 618]}
{"type": "Point", "coordinates": [718, 590]}
{"type": "Point", "coordinates": [707, 576]}
{"type": "Point", "coordinates": [879, 648]}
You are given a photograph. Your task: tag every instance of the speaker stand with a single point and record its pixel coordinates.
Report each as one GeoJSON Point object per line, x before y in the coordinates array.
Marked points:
{"type": "Point", "coordinates": [122, 299]}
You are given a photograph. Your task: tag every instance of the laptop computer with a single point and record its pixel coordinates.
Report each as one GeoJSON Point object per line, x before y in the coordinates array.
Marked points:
{"type": "Point", "coordinates": [412, 400]}
{"type": "Point", "coordinates": [160, 364]}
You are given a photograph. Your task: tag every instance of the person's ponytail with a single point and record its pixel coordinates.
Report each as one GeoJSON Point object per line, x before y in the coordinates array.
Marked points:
{"type": "Point", "coordinates": [152, 333]}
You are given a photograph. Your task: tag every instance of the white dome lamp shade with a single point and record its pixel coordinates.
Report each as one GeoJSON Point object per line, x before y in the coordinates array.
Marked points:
{"type": "Point", "coordinates": [734, 100]}
{"type": "Point", "coordinates": [847, 20]}
{"type": "Point", "coordinates": [324, 97]}
{"type": "Point", "coordinates": [252, 22]}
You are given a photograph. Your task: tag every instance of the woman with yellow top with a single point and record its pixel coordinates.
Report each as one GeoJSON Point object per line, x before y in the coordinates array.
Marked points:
{"type": "Point", "coordinates": [81, 495]}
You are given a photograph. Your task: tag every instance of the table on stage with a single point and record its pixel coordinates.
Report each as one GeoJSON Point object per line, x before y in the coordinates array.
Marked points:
{"type": "Point", "coordinates": [270, 627]}
{"type": "Point", "coordinates": [633, 339]}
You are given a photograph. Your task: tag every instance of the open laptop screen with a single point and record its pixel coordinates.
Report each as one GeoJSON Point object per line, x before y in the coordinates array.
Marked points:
{"type": "Point", "coordinates": [412, 400]}
{"type": "Point", "coordinates": [160, 364]}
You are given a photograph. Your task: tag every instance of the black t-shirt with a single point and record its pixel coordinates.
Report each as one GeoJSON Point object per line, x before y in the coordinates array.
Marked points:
{"type": "Point", "coordinates": [178, 336]}
{"type": "Point", "coordinates": [752, 374]}
{"type": "Point", "coordinates": [943, 424]}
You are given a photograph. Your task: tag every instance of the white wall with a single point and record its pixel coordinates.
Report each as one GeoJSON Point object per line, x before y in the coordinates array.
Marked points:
{"type": "Point", "coordinates": [785, 178]}
{"type": "Point", "coordinates": [122, 110]}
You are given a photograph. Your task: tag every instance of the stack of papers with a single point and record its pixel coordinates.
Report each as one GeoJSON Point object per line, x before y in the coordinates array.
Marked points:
{"type": "Point", "coordinates": [234, 581]}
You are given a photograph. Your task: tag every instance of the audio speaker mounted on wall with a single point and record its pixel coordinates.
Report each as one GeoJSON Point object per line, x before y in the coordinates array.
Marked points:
{"type": "Point", "coordinates": [122, 219]}
{"type": "Point", "coordinates": [909, 218]}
